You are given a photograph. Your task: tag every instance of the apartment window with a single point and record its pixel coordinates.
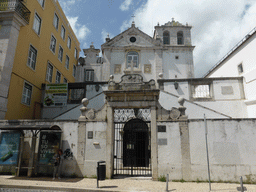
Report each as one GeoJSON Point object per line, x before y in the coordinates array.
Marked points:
{"type": "Point", "coordinates": [49, 72]}
{"type": "Point", "coordinates": [60, 55]}
{"type": "Point", "coordinates": [27, 93]}
{"type": "Point", "coordinates": [41, 2]}
{"type": "Point", "coordinates": [37, 24]}
{"type": "Point", "coordinates": [75, 53]}
{"type": "Point", "coordinates": [53, 44]}
{"type": "Point", "coordinates": [67, 62]}
{"type": "Point", "coordinates": [69, 43]}
{"type": "Point", "coordinates": [32, 57]}
{"type": "Point", "coordinates": [63, 31]}
{"type": "Point", "coordinates": [89, 75]}
{"type": "Point", "coordinates": [74, 70]}
{"type": "Point", "coordinates": [240, 68]}
{"type": "Point", "coordinates": [65, 80]}
{"type": "Point", "coordinates": [56, 21]}
{"type": "Point", "coordinates": [166, 37]}
{"type": "Point", "coordinates": [58, 77]}
{"type": "Point", "coordinates": [133, 57]}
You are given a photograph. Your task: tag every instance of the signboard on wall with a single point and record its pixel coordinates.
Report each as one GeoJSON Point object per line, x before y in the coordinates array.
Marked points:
{"type": "Point", "coordinates": [56, 95]}
{"type": "Point", "coordinates": [9, 148]}
{"type": "Point", "coordinates": [48, 145]}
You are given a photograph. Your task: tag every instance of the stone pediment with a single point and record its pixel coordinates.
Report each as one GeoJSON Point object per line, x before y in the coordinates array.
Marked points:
{"type": "Point", "coordinates": [131, 37]}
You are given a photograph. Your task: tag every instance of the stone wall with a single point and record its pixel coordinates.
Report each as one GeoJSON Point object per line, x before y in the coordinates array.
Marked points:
{"type": "Point", "coordinates": [231, 145]}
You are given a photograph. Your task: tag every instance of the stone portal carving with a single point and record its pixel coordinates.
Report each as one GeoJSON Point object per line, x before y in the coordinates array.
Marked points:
{"type": "Point", "coordinates": [131, 82]}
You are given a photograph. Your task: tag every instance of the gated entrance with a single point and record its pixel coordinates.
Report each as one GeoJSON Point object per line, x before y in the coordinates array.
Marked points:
{"type": "Point", "coordinates": [132, 149]}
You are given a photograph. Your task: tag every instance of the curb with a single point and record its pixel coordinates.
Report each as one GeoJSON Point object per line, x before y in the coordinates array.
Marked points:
{"type": "Point", "coordinates": [52, 188]}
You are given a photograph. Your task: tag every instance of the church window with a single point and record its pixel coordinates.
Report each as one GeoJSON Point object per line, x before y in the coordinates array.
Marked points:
{"type": "Point", "coordinates": [180, 38]}
{"type": "Point", "coordinates": [89, 75]}
{"type": "Point", "coordinates": [132, 57]}
{"type": "Point", "coordinates": [166, 37]}
{"type": "Point", "coordinates": [133, 39]}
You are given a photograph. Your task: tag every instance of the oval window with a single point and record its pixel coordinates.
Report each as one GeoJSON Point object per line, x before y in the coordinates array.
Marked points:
{"type": "Point", "coordinates": [132, 39]}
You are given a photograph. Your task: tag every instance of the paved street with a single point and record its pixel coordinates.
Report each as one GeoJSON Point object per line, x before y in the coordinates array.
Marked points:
{"type": "Point", "coordinates": [26, 190]}
{"type": "Point", "coordinates": [46, 184]}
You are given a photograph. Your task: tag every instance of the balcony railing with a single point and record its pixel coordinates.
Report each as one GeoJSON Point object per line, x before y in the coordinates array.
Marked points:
{"type": "Point", "coordinates": [17, 6]}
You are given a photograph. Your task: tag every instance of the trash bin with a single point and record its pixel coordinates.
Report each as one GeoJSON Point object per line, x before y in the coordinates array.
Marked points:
{"type": "Point", "coordinates": [101, 171]}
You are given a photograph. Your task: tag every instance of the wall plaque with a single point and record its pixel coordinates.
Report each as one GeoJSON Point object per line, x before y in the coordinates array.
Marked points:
{"type": "Point", "coordinates": [162, 141]}
{"type": "Point", "coordinates": [161, 128]}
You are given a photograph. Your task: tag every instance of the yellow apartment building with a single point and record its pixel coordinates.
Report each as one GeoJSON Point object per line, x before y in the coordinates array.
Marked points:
{"type": "Point", "coordinates": [37, 46]}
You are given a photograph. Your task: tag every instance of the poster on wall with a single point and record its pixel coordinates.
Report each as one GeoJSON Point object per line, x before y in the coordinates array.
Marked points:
{"type": "Point", "coordinates": [48, 145]}
{"type": "Point", "coordinates": [9, 148]}
{"type": "Point", "coordinates": [56, 95]}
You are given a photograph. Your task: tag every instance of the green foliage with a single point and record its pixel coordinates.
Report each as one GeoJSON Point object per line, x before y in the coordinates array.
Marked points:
{"type": "Point", "coordinates": [162, 178]}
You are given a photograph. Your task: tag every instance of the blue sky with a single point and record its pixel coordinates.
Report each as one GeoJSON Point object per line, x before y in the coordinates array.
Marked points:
{"type": "Point", "coordinates": [218, 25]}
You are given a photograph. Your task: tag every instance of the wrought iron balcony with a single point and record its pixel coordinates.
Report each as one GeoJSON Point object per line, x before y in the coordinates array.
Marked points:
{"type": "Point", "coordinates": [17, 6]}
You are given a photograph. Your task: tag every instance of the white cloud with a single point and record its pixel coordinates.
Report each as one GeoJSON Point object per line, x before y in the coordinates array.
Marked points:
{"type": "Point", "coordinates": [66, 4]}
{"type": "Point", "coordinates": [81, 31]}
{"type": "Point", "coordinates": [125, 5]}
{"type": "Point", "coordinates": [217, 25]}
{"type": "Point", "coordinates": [104, 35]}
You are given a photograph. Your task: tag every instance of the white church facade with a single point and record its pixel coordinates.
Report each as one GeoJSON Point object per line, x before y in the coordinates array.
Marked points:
{"type": "Point", "coordinates": [144, 114]}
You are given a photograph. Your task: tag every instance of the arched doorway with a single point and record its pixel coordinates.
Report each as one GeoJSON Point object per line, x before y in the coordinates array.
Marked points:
{"type": "Point", "coordinates": [136, 150]}
{"type": "Point", "coordinates": [132, 142]}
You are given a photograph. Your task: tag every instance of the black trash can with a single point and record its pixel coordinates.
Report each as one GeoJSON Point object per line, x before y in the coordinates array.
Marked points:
{"type": "Point", "coordinates": [101, 171]}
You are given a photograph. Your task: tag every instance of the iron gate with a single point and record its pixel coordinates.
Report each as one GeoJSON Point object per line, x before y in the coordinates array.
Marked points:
{"type": "Point", "coordinates": [132, 146]}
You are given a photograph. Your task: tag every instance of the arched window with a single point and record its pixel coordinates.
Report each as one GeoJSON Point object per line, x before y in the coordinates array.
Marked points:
{"type": "Point", "coordinates": [133, 57]}
{"type": "Point", "coordinates": [180, 38]}
{"type": "Point", "coordinates": [166, 37]}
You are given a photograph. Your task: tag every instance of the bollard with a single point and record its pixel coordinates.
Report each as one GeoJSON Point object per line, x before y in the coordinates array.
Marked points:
{"type": "Point", "coordinates": [242, 188]}
{"type": "Point", "coordinates": [101, 172]}
{"type": "Point", "coordinates": [167, 180]}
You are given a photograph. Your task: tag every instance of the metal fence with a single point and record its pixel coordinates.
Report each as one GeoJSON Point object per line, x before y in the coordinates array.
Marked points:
{"type": "Point", "coordinates": [17, 6]}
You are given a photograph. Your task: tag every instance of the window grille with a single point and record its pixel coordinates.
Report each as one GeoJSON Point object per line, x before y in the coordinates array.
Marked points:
{"type": "Point", "coordinates": [201, 91]}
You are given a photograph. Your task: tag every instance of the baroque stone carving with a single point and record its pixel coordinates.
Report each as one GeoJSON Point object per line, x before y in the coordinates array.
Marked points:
{"type": "Point", "coordinates": [91, 114]}
{"type": "Point", "coordinates": [131, 82]}
{"type": "Point", "coordinates": [117, 68]}
{"type": "Point", "coordinates": [147, 68]}
{"type": "Point", "coordinates": [174, 113]}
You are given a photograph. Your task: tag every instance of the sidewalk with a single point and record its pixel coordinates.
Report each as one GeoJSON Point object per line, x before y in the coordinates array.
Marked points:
{"type": "Point", "coordinates": [125, 184]}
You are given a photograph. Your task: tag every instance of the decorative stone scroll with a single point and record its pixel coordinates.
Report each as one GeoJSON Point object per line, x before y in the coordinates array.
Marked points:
{"type": "Point", "coordinates": [131, 82]}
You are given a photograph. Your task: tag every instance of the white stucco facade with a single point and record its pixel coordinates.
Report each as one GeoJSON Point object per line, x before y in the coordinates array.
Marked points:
{"type": "Point", "coordinates": [240, 62]}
